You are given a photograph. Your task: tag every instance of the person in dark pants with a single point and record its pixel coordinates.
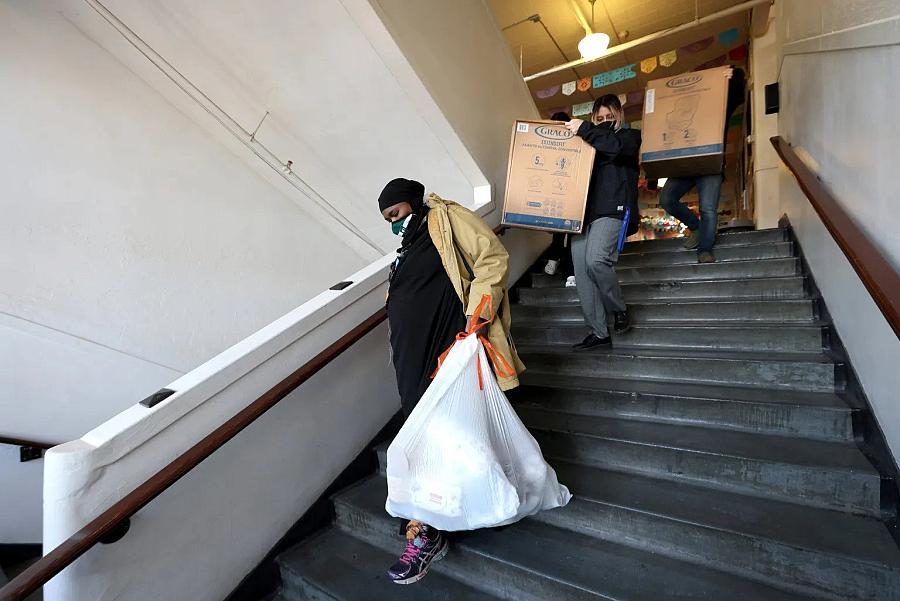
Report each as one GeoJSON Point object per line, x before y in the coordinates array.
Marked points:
{"type": "Point", "coordinates": [449, 259]}
{"type": "Point", "coordinates": [558, 256]}
{"type": "Point", "coordinates": [611, 215]}
{"type": "Point", "coordinates": [703, 229]}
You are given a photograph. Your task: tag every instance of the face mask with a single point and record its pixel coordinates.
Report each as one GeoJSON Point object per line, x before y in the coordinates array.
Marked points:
{"type": "Point", "coordinates": [399, 226]}
{"type": "Point", "coordinates": [608, 124]}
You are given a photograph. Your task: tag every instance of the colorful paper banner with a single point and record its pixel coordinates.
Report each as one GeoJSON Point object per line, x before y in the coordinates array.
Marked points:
{"type": "Point", "coordinates": [568, 88]}
{"type": "Point", "coordinates": [614, 76]}
{"type": "Point", "coordinates": [623, 99]}
{"type": "Point", "coordinates": [738, 54]}
{"type": "Point", "coordinates": [716, 62]}
{"type": "Point", "coordinates": [635, 97]}
{"type": "Point", "coordinates": [698, 46]}
{"type": "Point", "coordinates": [667, 59]}
{"type": "Point", "coordinates": [728, 37]}
{"type": "Point", "coordinates": [582, 109]}
{"type": "Point", "coordinates": [583, 84]}
{"type": "Point", "coordinates": [547, 92]}
{"type": "Point", "coordinates": [648, 65]}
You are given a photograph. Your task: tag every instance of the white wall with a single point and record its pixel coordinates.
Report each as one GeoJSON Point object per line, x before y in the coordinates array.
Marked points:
{"type": "Point", "coordinates": [764, 63]}
{"type": "Point", "coordinates": [133, 245]}
{"type": "Point", "coordinates": [838, 108]}
{"type": "Point", "coordinates": [199, 538]}
{"type": "Point", "coordinates": [20, 507]}
{"type": "Point", "coordinates": [459, 52]}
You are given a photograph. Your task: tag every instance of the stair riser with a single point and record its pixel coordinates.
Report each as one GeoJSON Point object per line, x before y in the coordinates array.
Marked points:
{"type": "Point", "coordinates": [760, 289]}
{"type": "Point", "coordinates": [835, 577]}
{"type": "Point", "coordinates": [295, 588]}
{"type": "Point", "coordinates": [765, 418]}
{"type": "Point", "coordinates": [496, 578]}
{"type": "Point", "coordinates": [842, 490]}
{"type": "Point", "coordinates": [783, 339]}
{"type": "Point", "coordinates": [706, 313]}
{"type": "Point", "coordinates": [684, 273]}
{"type": "Point", "coordinates": [722, 240]}
{"type": "Point", "coordinates": [778, 250]}
{"type": "Point", "coordinates": [790, 375]}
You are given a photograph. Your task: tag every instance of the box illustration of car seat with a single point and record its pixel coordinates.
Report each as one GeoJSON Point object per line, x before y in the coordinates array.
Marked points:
{"type": "Point", "coordinates": [684, 124]}
{"type": "Point", "coordinates": [547, 177]}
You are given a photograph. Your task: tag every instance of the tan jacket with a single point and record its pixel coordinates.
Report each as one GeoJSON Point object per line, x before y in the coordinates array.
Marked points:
{"type": "Point", "coordinates": [462, 238]}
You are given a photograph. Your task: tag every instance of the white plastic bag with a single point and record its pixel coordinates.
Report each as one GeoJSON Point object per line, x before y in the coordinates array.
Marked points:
{"type": "Point", "coordinates": [463, 459]}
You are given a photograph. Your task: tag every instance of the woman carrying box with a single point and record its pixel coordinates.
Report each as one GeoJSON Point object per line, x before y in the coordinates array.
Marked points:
{"type": "Point", "coordinates": [610, 216]}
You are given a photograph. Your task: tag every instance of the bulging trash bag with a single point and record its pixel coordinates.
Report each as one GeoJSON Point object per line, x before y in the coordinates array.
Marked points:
{"type": "Point", "coordinates": [463, 459]}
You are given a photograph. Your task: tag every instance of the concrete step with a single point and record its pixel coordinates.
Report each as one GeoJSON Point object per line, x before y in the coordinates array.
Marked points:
{"type": "Point", "coordinates": [806, 338]}
{"type": "Point", "coordinates": [333, 566]}
{"type": "Point", "coordinates": [681, 256]}
{"type": "Point", "coordinates": [769, 236]}
{"type": "Point", "coordinates": [830, 554]}
{"type": "Point", "coordinates": [785, 371]}
{"type": "Point", "coordinates": [534, 561]}
{"type": "Point", "coordinates": [734, 270]}
{"type": "Point", "coordinates": [808, 472]}
{"type": "Point", "coordinates": [777, 288]}
{"type": "Point", "coordinates": [820, 415]}
{"type": "Point", "coordinates": [774, 311]}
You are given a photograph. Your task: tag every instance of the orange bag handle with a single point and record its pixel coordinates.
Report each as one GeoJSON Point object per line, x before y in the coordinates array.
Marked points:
{"type": "Point", "coordinates": [501, 366]}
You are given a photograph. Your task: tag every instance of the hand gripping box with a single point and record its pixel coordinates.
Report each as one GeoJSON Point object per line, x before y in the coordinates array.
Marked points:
{"type": "Point", "coordinates": [547, 177]}
{"type": "Point", "coordinates": [683, 128]}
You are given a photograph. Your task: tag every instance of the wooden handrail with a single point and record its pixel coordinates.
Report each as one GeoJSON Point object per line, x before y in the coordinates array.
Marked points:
{"type": "Point", "coordinates": [21, 442]}
{"type": "Point", "coordinates": [39, 573]}
{"type": "Point", "coordinates": [876, 272]}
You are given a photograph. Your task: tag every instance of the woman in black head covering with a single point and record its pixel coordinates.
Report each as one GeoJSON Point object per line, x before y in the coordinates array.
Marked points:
{"type": "Point", "coordinates": [449, 259]}
{"type": "Point", "coordinates": [424, 311]}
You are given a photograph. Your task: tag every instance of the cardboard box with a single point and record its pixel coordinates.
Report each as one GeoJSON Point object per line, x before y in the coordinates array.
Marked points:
{"type": "Point", "coordinates": [683, 128]}
{"type": "Point", "coordinates": [547, 178]}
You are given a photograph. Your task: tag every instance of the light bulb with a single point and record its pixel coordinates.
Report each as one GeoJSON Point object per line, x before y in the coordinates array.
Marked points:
{"type": "Point", "coordinates": [593, 46]}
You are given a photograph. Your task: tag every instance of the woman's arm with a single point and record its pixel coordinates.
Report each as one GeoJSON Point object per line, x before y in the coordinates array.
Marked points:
{"type": "Point", "coordinates": [486, 256]}
{"type": "Point", "coordinates": [603, 139]}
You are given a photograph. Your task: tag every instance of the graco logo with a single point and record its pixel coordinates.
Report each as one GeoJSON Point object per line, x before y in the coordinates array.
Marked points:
{"type": "Point", "coordinates": [683, 81]}
{"type": "Point", "coordinates": [552, 133]}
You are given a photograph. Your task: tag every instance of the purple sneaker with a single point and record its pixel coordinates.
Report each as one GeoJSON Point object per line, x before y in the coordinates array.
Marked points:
{"type": "Point", "coordinates": [423, 545]}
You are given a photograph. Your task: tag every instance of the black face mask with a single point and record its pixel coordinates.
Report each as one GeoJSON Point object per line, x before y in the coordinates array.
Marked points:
{"type": "Point", "coordinates": [608, 125]}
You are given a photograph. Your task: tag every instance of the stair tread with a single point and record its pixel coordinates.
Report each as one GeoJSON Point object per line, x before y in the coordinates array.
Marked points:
{"type": "Point", "coordinates": [667, 353]}
{"type": "Point", "coordinates": [658, 325]}
{"type": "Point", "coordinates": [757, 446]}
{"type": "Point", "coordinates": [690, 301]}
{"type": "Point", "coordinates": [353, 570]}
{"type": "Point", "coordinates": [820, 530]}
{"type": "Point", "coordinates": [572, 558]}
{"type": "Point", "coordinates": [637, 251]}
{"type": "Point", "coordinates": [722, 239]}
{"type": "Point", "coordinates": [558, 281]}
{"type": "Point", "coordinates": [825, 400]}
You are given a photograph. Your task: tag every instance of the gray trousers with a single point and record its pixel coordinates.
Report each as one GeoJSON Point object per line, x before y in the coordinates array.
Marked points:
{"type": "Point", "coordinates": [594, 255]}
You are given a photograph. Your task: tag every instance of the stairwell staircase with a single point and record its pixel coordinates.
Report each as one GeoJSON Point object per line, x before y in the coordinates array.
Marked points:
{"type": "Point", "coordinates": [714, 453]}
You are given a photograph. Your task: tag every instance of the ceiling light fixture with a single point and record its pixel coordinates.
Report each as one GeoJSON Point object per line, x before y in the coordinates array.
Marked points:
{"type": "Point", "coordinates": [593, 45]}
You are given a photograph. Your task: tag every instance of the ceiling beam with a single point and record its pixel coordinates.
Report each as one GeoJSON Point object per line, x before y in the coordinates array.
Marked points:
{"type": "Point", "coordinates": [738, 8]}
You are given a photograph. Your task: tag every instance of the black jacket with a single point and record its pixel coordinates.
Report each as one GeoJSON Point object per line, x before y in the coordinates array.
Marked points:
{"type": "Point", "coordinates": [614, 180]}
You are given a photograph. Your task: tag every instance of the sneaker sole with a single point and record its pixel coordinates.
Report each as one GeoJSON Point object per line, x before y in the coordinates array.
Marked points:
{"type": "Point", "coordinates": [438, 556]}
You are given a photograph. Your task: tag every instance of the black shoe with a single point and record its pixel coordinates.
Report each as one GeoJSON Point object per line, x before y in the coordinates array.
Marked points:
{"type": "Point", "coordinates": [622, 322]}
{"type": "Point", "coordinates": [423, 546]}
{"type": "Point", "coordinates": [591, 342]}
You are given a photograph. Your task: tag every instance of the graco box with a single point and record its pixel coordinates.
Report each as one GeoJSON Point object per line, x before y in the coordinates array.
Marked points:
{"type": "Point", "coordinates": [547, 177]}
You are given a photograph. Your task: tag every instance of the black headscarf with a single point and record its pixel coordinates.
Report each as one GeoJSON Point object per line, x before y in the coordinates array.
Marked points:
{"type": "Point", "coordinates": [402, 190]}
{"type": "Point", "coordinates": [406, 190]}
